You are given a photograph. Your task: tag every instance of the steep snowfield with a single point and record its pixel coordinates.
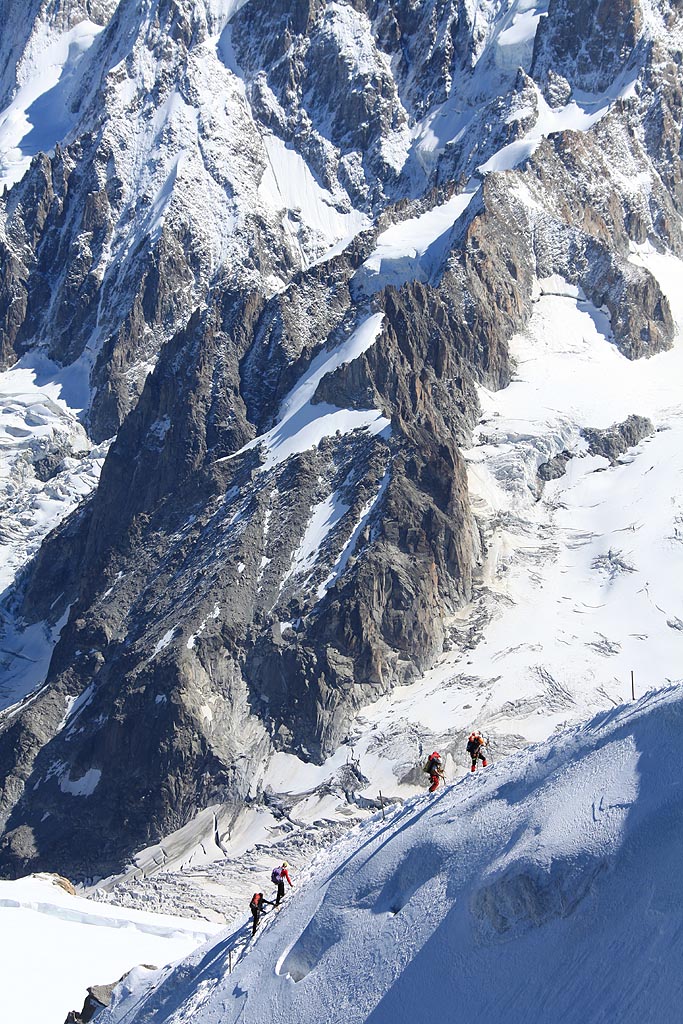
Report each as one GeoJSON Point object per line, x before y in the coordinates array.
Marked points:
{"type": "Point", "coordinates": [545, 886]}
{"type": "Point", "coordinates": [40, 113]}
{"type": "Point", "coordinates": [302, 424]}
{"type": "Point", "coordinates": [61, 944]}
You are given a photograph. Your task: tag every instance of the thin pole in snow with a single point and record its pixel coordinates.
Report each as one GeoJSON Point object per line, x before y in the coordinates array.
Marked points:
{"type": "Point", "coordinates": [229, 961]}
{"type": "Point", "coordinates": [381, 803]}
{"type": "Point", "coordinates": [633, 686]}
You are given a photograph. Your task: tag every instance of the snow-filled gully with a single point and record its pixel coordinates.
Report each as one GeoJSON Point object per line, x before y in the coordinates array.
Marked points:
{"type": "Point", "coordinates": [301, 423]}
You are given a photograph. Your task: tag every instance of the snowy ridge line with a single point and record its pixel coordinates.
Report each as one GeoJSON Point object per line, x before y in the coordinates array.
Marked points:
{"type": "Point", "coordinates": [64, 913]}
{"type": "Point", "coordinates": [123, 987]}
{"type": "Point", "coordinates": [414, 249]}
{"type": "Point", "coordinates": [575, 116]}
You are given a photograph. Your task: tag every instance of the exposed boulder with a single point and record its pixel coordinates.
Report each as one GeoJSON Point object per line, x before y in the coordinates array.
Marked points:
{"type": "Point", "coordinates": [617, 439]}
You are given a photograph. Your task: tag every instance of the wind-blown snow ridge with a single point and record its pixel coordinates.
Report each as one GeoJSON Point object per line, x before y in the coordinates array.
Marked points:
{"type": "Point", "coordinates": [578, 115]}
{"type": "Point", "coordinates": [477, 896]}
{"type": "Point", "coordinates": [413, 249]}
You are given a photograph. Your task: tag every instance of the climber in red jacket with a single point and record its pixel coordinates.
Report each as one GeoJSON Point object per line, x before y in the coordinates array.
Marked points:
{"type": "Point", "coordinates": [278, 877]}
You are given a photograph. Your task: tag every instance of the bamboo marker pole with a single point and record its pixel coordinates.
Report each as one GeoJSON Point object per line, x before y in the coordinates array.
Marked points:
{"type": "Point", "coordinates": [633, 686]}
{"type": "Point", "coordinates": [381, 803]}
{"type": "Point", "coordinates": [229, 961]}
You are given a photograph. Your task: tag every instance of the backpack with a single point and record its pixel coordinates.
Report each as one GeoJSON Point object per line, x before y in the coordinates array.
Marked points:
{"type": "Point", "coordinates": [275, 876]}
{"type": "Point", "coordinates": [474, 743]}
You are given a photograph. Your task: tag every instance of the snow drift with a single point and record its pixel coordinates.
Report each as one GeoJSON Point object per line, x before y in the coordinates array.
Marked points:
{"type": "Point", "coordinates": [546, 885]}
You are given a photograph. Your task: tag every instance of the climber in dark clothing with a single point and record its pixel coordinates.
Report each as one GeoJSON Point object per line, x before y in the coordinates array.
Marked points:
{"type": "Point", "coordinates": [256, 907]}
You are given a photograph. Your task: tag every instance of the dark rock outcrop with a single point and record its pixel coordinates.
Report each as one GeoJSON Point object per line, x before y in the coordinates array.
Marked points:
{"type": "Point", "coordinates": [616, 440]}
{"type": "Point", "coordinates": [585, 43]}
{"type": "Point", "coordinates": [554, 468]}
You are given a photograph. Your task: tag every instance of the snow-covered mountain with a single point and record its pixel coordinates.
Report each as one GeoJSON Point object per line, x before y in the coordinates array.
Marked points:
{"type": "Point", "coordinates": [547, 886]}
{"type": "Point", "coordinates": [340, 404]}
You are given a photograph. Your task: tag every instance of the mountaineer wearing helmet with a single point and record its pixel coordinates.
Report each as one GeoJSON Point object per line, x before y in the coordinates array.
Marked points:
{"type": "Point", "coordinates": [278, 878]}
{"type": "Point", "coordinates": [434, 768]}
{"type": "Point", "coordinates": [475, 748]}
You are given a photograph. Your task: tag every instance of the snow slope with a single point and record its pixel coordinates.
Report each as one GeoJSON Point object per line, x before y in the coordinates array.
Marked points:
{"type": "Point", "coordinates": [61, 944]}
{"type": "Point", "coordinates": [546, 886]}
{"type": "Point", "coordinates": [40, 114]}
{"type": "Point", "coordinates": [303, 423]}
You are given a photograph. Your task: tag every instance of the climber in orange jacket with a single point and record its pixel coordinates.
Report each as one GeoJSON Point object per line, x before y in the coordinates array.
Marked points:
{"type": "Point", "coordinates": [475, 748]}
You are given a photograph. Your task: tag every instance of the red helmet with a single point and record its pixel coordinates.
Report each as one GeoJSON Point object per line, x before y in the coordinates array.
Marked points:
{"type": "Point", "coordinates": [436, 754]}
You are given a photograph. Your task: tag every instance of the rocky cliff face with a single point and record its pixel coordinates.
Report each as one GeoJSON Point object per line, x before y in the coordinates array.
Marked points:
{"type": "Point", "coordinates": [284, 244]}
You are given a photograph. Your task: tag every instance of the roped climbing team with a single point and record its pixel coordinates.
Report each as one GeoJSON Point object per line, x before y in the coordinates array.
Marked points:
{"type": "Point", "coordinates": [433, 766]}
{"type": "Point", "coordinates": [277, 877]}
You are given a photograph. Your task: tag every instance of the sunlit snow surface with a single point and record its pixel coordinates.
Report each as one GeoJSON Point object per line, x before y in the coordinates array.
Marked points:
{"type": "Point", "coordinates": [545, 887]}
{"type": "Point", "coordinates": [578, 115]}
{"type": "Point", "coordinates": [56, 945]}
{"type": "Point", "coordinates": [289, 185]}
{"type": "Point", "coordinates": [413, 249]}
{"type": "Point", "coordinates": [562, 631]}
{"type": "Point", "coordinates": [40, 114]}
{"type": "Point", "coordinates": [587, 577]}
